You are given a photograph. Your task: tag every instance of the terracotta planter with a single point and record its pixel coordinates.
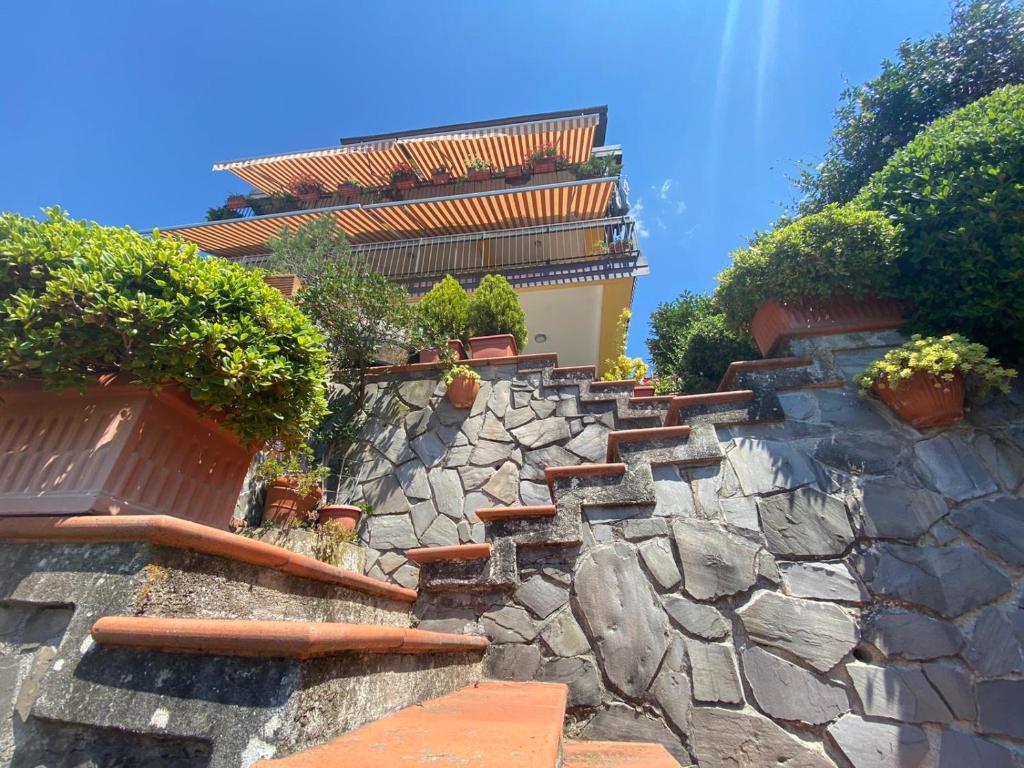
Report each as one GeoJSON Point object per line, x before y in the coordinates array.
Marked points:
{"type": "Point", "coordinates": [237, 203]}
{"type": "Point", "coordinates": [344, 515]}
{"type": "Point", "coordinates": [404, 184]}
{"type": "Point", "coordinates": [502, 345]}
{"type": "Point", "coordinates": [432, 356]}
{"type": "Point", "coordinates": [463, 391]}
{"type": "Point", "coordinates": [348, 191]}
{"type": "Point", "coordinates": [478, 174]}
{"type": "Point", "coordinates": [117, 449]}
{"type": "Point", "coordinates": [619, 246]}
{"type": "Point", "coordinates": [441, 178]}
{"type": "Point", "coordinates": [775, 322]}
{"type": "Point", "coordinates": [643, 390]}
{"type": "Point", "coordinates": [546, 165]}
{"type": "Point", "coordinates": [925, 401]}
{"type": "Point", "coordinates": [308, 197]}
{"type": "Point", "coordinates": [283, 501]}
{"type": "Point", "coordinates": [513, 172]}
{"type": "Point", "coordinates": [288, 285]}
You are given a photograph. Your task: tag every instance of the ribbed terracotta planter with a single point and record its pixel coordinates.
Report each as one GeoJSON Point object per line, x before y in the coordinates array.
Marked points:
{"type": "Point", "coordinates": [925, 401]}
{"type": "Point", "coordinates": [117, 449]}
{"type": "Point", "coordinates": [283, 501]}
{"type": "Point", "coordinates": [432, 356]}
{"type": "Point", "coordinates": [463, 391]}
{"type": "Point", "coordinates": [775, 322]}
{"type": "Point", "coordinates": [547, 165]}
{"type": "Point", "coordinates": [288, 285]}
{"type": "Point", "coordinates": [501, 345]}
{"type": "Point", "coordinates": [345, 515]}
{"type": "Point", "coordinates": [478, 174]}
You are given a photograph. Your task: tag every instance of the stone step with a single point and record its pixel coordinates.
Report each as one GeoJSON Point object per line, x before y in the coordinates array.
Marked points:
{"type": "Point", "coordinates": [649, 435]}
{"type": "Point", "coordinates": [552, 474]}
{"type": "Point", "coordinates": [616, 754]}
{"type": "Point", "coordinates": [777, 374]}
{"type": "Point", "coordinates": [495, 569]}
{"type": "Point", "coordinates": [488, 725]}
{"type": "Point", "coordinates": [740, 406]}
{"type": "Point", "coordinates": [621, 386]}
{"type": "Point", "coordinates": [273, 639]}
{"type": "Point", "coordinates": [651, 399]}
{"type": "Point", "coordinates": [458, 552]}
{"type": "Point", "coordinates": [589, 370]}
{"type": "Point", "coordinates": [173, 532]}
{"type": "Point", "coordinates": [493, 514]}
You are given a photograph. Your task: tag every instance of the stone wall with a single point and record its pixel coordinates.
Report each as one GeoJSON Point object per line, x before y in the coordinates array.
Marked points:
{"type": "Point", "coordinates": [808, 583]}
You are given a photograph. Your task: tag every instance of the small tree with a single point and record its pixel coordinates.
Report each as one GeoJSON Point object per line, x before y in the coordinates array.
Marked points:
{"type": "Point", "coordinates": [443, 313]}
{"type": "Point", "coordinates": [622, 367]}
{"type": "Point", "coordinates": [359, 310]}
{"type": "Point", "coordinates": [494, 308]}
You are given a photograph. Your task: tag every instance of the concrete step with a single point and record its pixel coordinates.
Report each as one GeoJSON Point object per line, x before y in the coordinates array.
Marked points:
{"type": "Point", "coordinates": [468, 567]}
{"type": "Point", "coordinates": [494, 514]}
{"type": "Point", "coordinates": [653, 435]}
{"type": "Point", "coordinates": [616, 754]}
{"type": "Point", "coordinates": [273, 639]}
{"type": "Point", "coordinates": [458, 552]}
{"type": "Point", "coordinates": [778, 374]}
{"type": "Point", "coordinates": [578, 471]}
{"type": "Point", "coordinates": [488, 725]}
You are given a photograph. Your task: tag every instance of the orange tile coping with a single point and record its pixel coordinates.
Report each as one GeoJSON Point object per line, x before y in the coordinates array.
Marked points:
{"type": "Point", "coordinates": [616, 754]}
{"type": "Point", "coordinates": [582, 470]}
{"type": "Point", "coordinates": [760, 365]}
{"type": "Point", "coordinates": [453, 552]}
{"type": "Point", "coordinates": [490, 514]}
{"type": "Point", "coordinates": [168, 531]}
{"type": "Point", "coordinates": [288, 639]}
{"type": "Point", "coordinates": [473, 362]}
{"type": "Point", "coordinates": [493, 724]}
{"type": "Point", "coordinates": [640, 435]}
{"type": "Point", "coordinates": [709, 398]}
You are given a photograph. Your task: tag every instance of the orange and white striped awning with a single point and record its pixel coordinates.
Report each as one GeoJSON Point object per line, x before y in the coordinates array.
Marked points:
{"type": "Point", "coordinates": [370, 163]}
{"type": "Point", "coordinates": [480, 212]}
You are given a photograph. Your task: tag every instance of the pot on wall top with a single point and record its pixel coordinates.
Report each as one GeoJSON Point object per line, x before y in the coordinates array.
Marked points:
{"type": "Point", "coordinates": [924, 400]}
{"type": "Point", "coordinates": [345, 515]}
{"type": "Point", "coordinates": [283, 501]}
{"type": "Point", "coordinates": [432, 355]}
{"type": "Point", "coordinates": [774, 322]}
{"type": "Point", "coordinates": [462, 391]}
{"type": "Point", "coordinates": [499, 345]}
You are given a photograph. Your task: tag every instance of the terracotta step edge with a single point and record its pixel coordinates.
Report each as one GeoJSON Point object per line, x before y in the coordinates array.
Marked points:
{"type": "Point", "coordinates": [583, 470]}
{"type": "Point", "coordinates": [616, 754]}
{"type": "Point", "coordinates": [708, 398]}
{"type": "Point", "coordinates": [651, 399]}
{"type": "Point", "coordinates": [641, 435]}
{"type": "Point", "coordinates": [288, 639]}
{"type": "Point", "coordinates": [619, 383]}
{"type": "Point", "coordinates": [756, 365]}
{"type": "Point", "coordinates": [488, 514]}
{"type": "Point", "coordinates": [167, 531]}
{"type": "Point", "coordinates": [452, 552]}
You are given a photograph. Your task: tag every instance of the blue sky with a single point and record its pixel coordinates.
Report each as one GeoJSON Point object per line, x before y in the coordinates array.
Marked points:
{"type": "Point", "coordinates": [116, 110]}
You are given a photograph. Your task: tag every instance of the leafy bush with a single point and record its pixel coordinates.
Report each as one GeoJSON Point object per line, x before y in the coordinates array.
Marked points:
{"type": "Point", "coordinates": [942, 357]}
{"type": "Point", "coordinates": [494, 309]}
{"type": "Point", "coordinates": [443, 313]}
{"type": "Point", "coordinates": [621, 367]}
{"type": "Point", "coordinates": [222, 213]}
{"type": "Point", "coordinates": [983, 50]}
{"type": "Point", "coordinates": [958, 192]}
{"type": "Point", "coordinates": [297, 464]}
{"type": "Point", "coordinates": [78, 300]}
{"type": "Point", "coordinates": [359, 310]}
{"type": "Point", "coordinates": [840, 250]}
{"type": "Point", "coordinates": [595, 167]}
{"type": "Point", "coordinates": [691, 345]}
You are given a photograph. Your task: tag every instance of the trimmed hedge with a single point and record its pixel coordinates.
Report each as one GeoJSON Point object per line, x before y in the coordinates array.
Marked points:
{"type": "Point", "coordinates": [837, 251]}
{"type": "Point", "coordinates": [957, 191]}
{"type": "Point", "coordinates": [78, 300]}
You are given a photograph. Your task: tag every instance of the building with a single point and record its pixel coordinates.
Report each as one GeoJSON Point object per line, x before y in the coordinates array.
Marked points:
{"type": "Point", "coordinates": [465, 200]}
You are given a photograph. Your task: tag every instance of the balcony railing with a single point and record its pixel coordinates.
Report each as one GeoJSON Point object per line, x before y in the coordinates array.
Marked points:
{"type": "Point", "coordinates": [498, 251]}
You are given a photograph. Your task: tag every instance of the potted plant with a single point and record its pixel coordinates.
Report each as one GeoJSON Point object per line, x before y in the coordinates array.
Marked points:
{"type": "Point", "coordinates": [496, 320]}
{"type": "Point", "coordinates": [159, 358]}
{"type": "Point", "coordinates": [237, 202]}
{"type": "Point", "coordinates": [463, 385]}
{"type": "Point", "coordinates": [342, 515]}
{"type": "Point", "coordinates": [478, 169]}
{"type": "Point", "coordinates": [293, 485]}
{"type": "Point", "coordinates": [545, 159]}
{"type": "Point", "coordinates": [514, 172]}
{"type": "Point", "coordinates": [596, 167]}
{"type": "Point", "coordinates": [826, 273]}
{"type": "Point", "coordinates": [349, 190]}
{"type": "Point", "coordinates": [403, 177]}
{"type": "Point", "coordinates": [619, 246]}
{"type": "Point", "coordinates": [222, 213]}
{"type": "Point", "coordinates": [305, 188]}
{"type": "Point", "coordinates": [279, 202]}
{"type": "Point", "coordinates": [443, 318]}
{"type": "Point", "coordinates": [440, 175]}
{"type": "Point", "coordinates": [922, 381]}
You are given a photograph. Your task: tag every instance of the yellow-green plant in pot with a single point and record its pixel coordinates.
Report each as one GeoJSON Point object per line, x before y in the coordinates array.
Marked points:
{"type": "Point", "coordinates": [463, 385]}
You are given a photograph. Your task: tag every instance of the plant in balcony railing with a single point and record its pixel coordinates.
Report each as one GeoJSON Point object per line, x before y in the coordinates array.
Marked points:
{"type": "Point", "coordinates": [403, 176]}
{"type": "Point", "coordinates": [349, 189]}
{"type": "Point", "coordinates": [545, 158]}
{"type": "Point", "coordinates": [494, 311]}
{"type": "Point", "coordinates": [596, 167]}
{"type": "Point", "coordinates": [441, 175]}
{"type": "Point", "coordinates": [237, 202]}
{"type": "Point", "coordinates": [278, 202]}
{"type": "Point", "coordinates": [478, 169]}
{"type": "Point", "coordinates": [600, 248]}
{"type": "Point", "coordinates": [222, 213]}
{"type": "Point", "coordinates": [305, 187]}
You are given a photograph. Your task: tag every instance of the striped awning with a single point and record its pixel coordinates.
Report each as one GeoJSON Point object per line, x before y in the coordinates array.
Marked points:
{"type": "Point", "coordinates": [484, 211]}
{"type": "Point", "coordinates": [370, 163]}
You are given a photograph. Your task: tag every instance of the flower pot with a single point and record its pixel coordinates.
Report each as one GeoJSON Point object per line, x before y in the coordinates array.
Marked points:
{"type": "Point", "coordinates": [463, 391]}
{"type": "Point", "coordinates": [348, 192]}
{"type": "Point", "coordinates": [308, 197]}
{"type": "Point", "coordinates": [924, 400]}
{"type": "Point", "coordinates": [116, 449]}
{"type": "Point", "coordinates": [405, 184]}
{"type": "Point", "coordinates": [643, 390]}
{"type": "Point", "coordinates": [502, 345]}
{"type": "Point", "coordinates": [441, 178]}
{"type": "Point", "coordinates": [283, 501]}
{"type": "Point", "coordinates": [432, 356]}
{"type": "Point", "coordinates": [545, 165]}
{"type": "Point", "coordinates": [344, 515]}
{"type": "Point", "coordinates": [619, 246]}
{"type": "Point", "coordinates": [775, 322]}
{"type": "Point", "coordinates": [513, 172]}
{"type": "Point", "coordinates": [238, 202]}
{"type": "Point", "coordinates": [478, 174]}
{"type": "Point", "coordinates": [287, 284]}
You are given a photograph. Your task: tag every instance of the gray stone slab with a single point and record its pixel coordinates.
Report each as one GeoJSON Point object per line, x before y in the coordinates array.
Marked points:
{"type": "Point", "coordinates": [671, 686]}
{"type": "Point", "coordinates": [623, 618]}
{"type": "Point", "coordinates": [958, 749]}
{"type": "Point", "coordinates": [429, 448]}
{"type": "Point", "coordinates": [509, 624]}
{"type": "Point", "coordinates": [542, 432]}
{"type": "Point", "coordinates": [480, 404]}
{"type": "Point", "coordinates": [1000, 703]}
{"type": "Point", "coordinates": [543, 408]}
{"type": "Point", "coordinates": [725, 738]}
{"type": "Point", "coordinates": [949, 466]}
{"type": "Point", "coordinates": [621, 723]}
{"type": "Point", "coordinates": [494, 429]}
{"type": "Point", "coordinates": [699, 619]}
{"type": "Point", "coordinates": [564, 636]}
{"type": "Point", "coordinates": [822, 581]}
{"type": "Point", "coordinates": [392, 532]}
{"type": "Point", "coordinates": [447, 490]}
{"type": "Point", "coordinates": [473, 478]}
{"type": "Point", "coordinates": [661, 563]}
{"type": "Point", "coordinates": [498, 401]}
{"type": "Point", "coordinates": [416, 393]}
{"type": "Point", "coordinates": [489, 453]}
{"type": "Point", "coordinates": [645, 527]}
{"type": "Point", "coordinates": [517, 417]}
{"type": "Point", "coordinates": [385, 496]}
{"type": "Point", "coordinates": [858, 454]}
{"type": "Point", "coordinates": [1003, 458]}
{"type": "Point", "coordinates": [768, 466]}
{"type": "Point", "coordinates": [892, 510]}
{"type": "Point", "coordinates": [785, 691]}
{"type": "Point", "coordinates": [805, 522]}
{"type": "Point", "coordinates": [713, 672]}
{"type": "Point", "coordinates": [423, 515]}
{"type": "Point", "coordinates": [996, 524]}
{"type": "Point", "coordinates": [997, 642]}
{"type": "Point", "coordinates": [955, 687]}
{"type": "Point", "coordinates": [580, 674]}
{"type": "Point", "coordinates": [441, 533]}
{"type": "Point", "coordinates": [868, 744]}
{"type": "Point", "coordinates": [846, 409]}
{"type": "Point", "coordinates": [509, 661]}
{"type": "Point", "coordinates": [820, 633]}
{"type": "Point", "coordinates": [504, 484]}
{"type": "Point", "coordinates": [907, 635]}
{"type": "Point", "coordinates": [672, 493]}
{"type": "Point", "coordinates": [412, 477]}
{"type": "Point", "coordinates": [541, 597]}
{"type": "Point", "coordinates": [591, 444]}
{"type": "Point", "coordinates": [534, 494]}
{"type": "Point", "coordinates": [897, 693]}
{"type": "Point", "coordinates": [715, 562]}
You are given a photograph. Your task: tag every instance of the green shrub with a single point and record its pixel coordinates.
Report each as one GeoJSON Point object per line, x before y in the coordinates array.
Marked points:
{"type": "Point", "coordinates": [222, 213]}
{"type": "Point", "coordinates": [958, 192]}
{"type": "Point", "coordinates": [942, 358]}
{"type": "Point", "coordinates": [622, 367]}
{"type": "Point", "coordinates": [494, 309]}
{"type": "Point", "coordinates": [443, 313]}
{"type": "Point", "coordinates": [838, 251]}
{"type": "Point", "coordinates": [78, 300]}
